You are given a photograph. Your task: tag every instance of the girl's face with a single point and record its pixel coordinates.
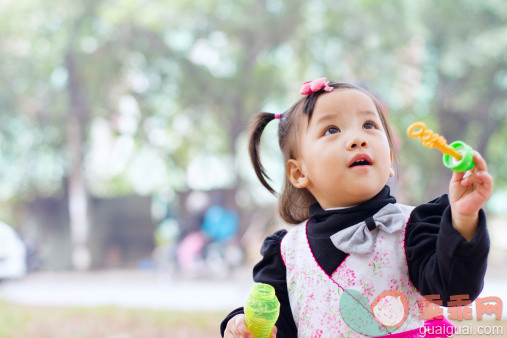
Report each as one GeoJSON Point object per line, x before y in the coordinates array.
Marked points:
{"type": "Point", "coordinates": [344, 156]}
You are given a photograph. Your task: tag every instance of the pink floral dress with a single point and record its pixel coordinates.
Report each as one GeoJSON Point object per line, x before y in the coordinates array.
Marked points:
{"type": "Point", "coordinates": [315, 297]}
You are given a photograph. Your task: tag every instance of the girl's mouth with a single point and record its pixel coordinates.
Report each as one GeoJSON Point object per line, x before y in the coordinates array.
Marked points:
{"type": "Point", "coordinates": [358, 163]}
{"type": "Point", "coordinates": [360, 160]}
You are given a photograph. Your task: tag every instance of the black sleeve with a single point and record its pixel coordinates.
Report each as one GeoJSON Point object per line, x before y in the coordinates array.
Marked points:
{"type": "Point", "coordinates": [440, 260]}
{"type": "Point", "coordinates": [271, 270]}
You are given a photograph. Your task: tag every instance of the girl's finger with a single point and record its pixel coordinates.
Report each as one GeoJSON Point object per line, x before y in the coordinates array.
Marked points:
{"type": "Point", "coordinates": [273, 332]}
{"type": "Point", "coordinates": [230, 331]}
{"type": "Point", "coordinates": [469, 176]}
{"type": "Point", "coordinates": [485, 179]}
{"type": "Point", "coordinates": [482, 180]}
{"type": "Point", "coordinates": [242, 328]}
{"type": "Point", "coordinates": [480, 163]}
{"type": "Point", "coordinates": [469, 173]}
{"type": "Point", "coordinates": [466, 183]}
{"type": "Point", "coordinates": [457, 177]}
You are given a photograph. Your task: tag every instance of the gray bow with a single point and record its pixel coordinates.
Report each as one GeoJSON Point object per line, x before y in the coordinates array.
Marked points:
{"type": "Point", "coordinates": [359, 239]}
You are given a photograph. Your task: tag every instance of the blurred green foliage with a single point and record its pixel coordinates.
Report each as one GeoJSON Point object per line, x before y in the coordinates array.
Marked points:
{"type": "Point", "coordinates": [162, 83]}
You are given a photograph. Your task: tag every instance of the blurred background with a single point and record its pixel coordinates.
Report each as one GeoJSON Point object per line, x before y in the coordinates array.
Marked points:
{"type": "Point", "coordinates": [124, 169]}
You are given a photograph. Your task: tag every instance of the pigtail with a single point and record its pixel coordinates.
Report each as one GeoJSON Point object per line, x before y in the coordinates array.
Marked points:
{"type": "Point", "coordinates": [259, 122]}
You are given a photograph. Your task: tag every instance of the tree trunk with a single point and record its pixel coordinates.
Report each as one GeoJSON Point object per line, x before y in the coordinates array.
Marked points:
{"type": "Point", "coordinates": [78, 195]}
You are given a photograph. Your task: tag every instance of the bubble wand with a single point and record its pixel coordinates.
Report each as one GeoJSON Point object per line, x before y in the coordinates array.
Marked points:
{"type": "Point", "coordinates": [458, 156]}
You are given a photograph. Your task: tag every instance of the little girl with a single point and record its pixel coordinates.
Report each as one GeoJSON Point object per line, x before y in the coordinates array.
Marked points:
{"type": "Point", "coordinates": [358, 263]}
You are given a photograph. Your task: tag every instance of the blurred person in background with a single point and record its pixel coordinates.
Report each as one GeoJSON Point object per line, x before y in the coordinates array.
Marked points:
{"type": "Point", "coordinates": [211, 247]}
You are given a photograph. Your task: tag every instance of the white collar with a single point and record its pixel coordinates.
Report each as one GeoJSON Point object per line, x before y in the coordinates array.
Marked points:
{"type": "Point", "coordinates": [340, 208]}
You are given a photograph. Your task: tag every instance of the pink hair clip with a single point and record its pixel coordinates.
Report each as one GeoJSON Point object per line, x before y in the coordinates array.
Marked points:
{"type": "Point", "coordinates": [278, 116]}
{"type": "Point", "coordinates": [312, 87]}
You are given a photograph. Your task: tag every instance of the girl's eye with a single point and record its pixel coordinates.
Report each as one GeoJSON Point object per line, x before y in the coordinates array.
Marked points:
{"type": "Point", "coordinates": [332, 130]}
{"type": "Point", "coordinates": [369, 125]}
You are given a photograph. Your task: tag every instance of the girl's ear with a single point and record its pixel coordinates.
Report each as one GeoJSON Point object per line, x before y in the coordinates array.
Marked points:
{"type": "Point", "coordinates": [296, 174]}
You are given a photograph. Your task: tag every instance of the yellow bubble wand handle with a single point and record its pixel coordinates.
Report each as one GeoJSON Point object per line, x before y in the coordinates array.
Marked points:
{"type": "Point", "coordinates": [458, 156]}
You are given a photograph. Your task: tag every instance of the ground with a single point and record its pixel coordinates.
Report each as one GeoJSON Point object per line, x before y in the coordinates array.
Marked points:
{"type": "Point", "coordinates": [104, 322]}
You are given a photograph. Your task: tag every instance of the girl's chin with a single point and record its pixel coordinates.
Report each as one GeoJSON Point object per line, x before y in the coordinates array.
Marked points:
{"type": "Point", "coordinates": [363, 193]}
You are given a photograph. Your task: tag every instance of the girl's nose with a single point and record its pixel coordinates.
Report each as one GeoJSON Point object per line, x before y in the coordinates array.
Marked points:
{"type": "Point", "coordinates": [356, 142]}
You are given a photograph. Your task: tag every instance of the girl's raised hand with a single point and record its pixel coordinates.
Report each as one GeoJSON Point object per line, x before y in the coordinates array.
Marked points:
{"type": "Point", "coordinates": [236, 327]}
{"type": "Point", "coordinates": [468, 192]}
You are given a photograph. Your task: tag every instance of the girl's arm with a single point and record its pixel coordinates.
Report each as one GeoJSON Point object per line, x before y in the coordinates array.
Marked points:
{"type": "Point", "coordinates": [468, 192]}
{"type": "Point", "coordinates": [440, 260]}
{"type": "Point", "coordinates": [271, 270]}
{"type": "Point", "coordinates": [447, 254]}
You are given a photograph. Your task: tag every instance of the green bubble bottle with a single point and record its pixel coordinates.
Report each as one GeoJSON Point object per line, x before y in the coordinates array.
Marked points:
{"type": "Point", "coordinates": [261, 310]}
